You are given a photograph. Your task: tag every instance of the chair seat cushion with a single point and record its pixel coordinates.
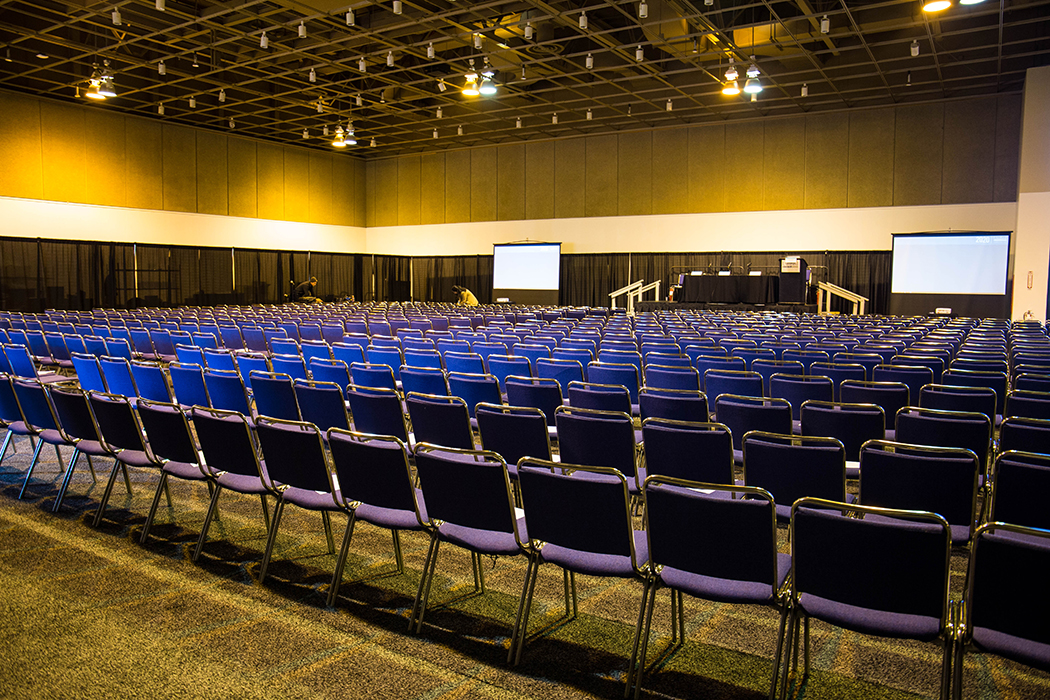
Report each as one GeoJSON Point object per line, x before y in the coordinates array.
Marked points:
{"type": "Point", "coordinates": [1027, 651]}
{"type": "Point", "coordinates": [240, 483]}
{"type": "Point", "coordinates": [93, 448]}
{"type": "Point", "coordinates": [311, 500]}
{"type": "Point", "coordinates": [868, 621]}
{"type": "Point", "coordinates": [20, 428]}
{"type": "Point", "coordinates": [485, 541]}
{"type": "Point", "coordinates": [597, 564]}
{"type": "Point", "coordinates": [136, 458]}
{"type": "Point", "coordinates": [392, 518]}
{"type": "Point", "coordinates": [184, 470]}
{"type": "Point", "coordinates": [725, 590]}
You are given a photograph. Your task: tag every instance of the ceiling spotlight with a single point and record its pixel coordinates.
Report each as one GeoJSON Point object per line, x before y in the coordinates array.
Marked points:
{"type": "Point", "coordinates": [554, 118]}
{"type": "Point", "coordinates": [523, 72]}
{"type": "Point", "coordinates": [324, 131]}
{"type": "Point", "coordinates": [232, 125]}
{"type": "Point", "coordinates": [709, 3]}
{"type": "Point", "coordinates": [222, 95]}
{"type": "Point", "coordinates": [441, 86]}
{"type": "Point", "coordinates": [930, 6]}
{"type": "Point", "coordinates": [487, 87]}
{"type": "Point", "coordinates": [306, 134]}
{"type": "Point", "coordinates": [731, 88]}
{"type": "Point", "coordinates": [160, 108]}
{"type": "Point", "coordinates": [915, 47]}
{"type": "Point", "coordinates": [372, 143]}
{"type": "Point", "coordinates": [94, 94]}
{"type": "Point", "coordinates": [390, 59]}
{"type": "Point", "coordinates": [320, 105]}
{"type": "Point", "coordinates": [753, 84]}
{"type": "Point", "coordinates": [909, 78]}
{"type": "Point", "coordinates": [340, 139]}
{"type": "Point", "coordinates": [435, 133]}
{"type": "Point", "coordinates": [471, 88]}
{"type": "Point", "coordinates": [517, 124]}
{"type": "Point", "coordinates": [459, 130]}
{"type": "Point", "coordinates": [302, 30]}
{"type": "Point", "coordinates": [360, 100]}
{"type": "Point", "coordinates": [105, 85]}
{"type": "Point", "coordinates": [754, 95]}
{"type": "Point", "coordinates": [752, 70]}
{"type": "Point", "coordinates": [350, 140]}
{"type": "Point", "coordinates": [528, 31]}
{"type": "Point", "coordinates": [116, 17]}
{"type": "Point", "coordinates": [639, 53]}
{"type": "Point", "coordinates": [825, 24]}
{"type": "Point", "coordinates": [195, 64]}
{"type": "Point", "coordinates": [430, 50]}
{"type": "Point", "coordinates": [477, 41]}
{"type": "Point", "coordinates": [42, 56]}
{"type": "Point", "coordinates": [264, 42]}
{"type": "Point", "coordinates": [161, 6]}
{"type": "Point", "coordinates": [161, 68]}
{"type": "Point", "coordinates": [440, 113]}
{"type": "Point", "coordinates": [397, 7]}
{"type": "Point", "coordinates": [350, 21]}
{"type": "Point", "coordinates": [805, 90]}
{"type": "Point", "coordinates": [361, 66]}
{"type": "Point", "coordinates": [731, 73]}
{"type": "Point", "coordinates": [193, 103]}
{"type": "Point", "coordinates": [590, 116]}
{"type": "Point", "coordinates": [313, 76]}
{"type": "Point", "coordinates": [643, 10]}
{"type": "Point", "coordinates": [583, 19]}
{"type": "Point", "coordinates": [590, 61]}
{"type": "Point", "coordinates": [669, 106]}
{"type": "Point", "coordinates": [7, 55]}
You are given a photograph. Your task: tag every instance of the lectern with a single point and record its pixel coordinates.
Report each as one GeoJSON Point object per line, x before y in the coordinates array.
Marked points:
{"type": "Point", "coordinates": [793, 278]}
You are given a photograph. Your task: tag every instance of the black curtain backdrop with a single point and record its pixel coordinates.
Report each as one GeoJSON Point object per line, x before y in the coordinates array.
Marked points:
{"type": "Point", "coordinates": [40, 274]}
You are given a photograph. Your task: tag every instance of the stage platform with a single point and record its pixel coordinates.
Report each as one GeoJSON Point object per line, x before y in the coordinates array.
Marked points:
{"type": "Point", "coordinates": [648, 306]}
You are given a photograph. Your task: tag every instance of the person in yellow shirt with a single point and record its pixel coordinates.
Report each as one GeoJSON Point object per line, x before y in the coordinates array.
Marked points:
{"type": "Point", "coordinates": [466, 297]}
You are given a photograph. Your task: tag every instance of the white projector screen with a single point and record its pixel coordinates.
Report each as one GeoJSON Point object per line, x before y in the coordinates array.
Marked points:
{"type": "Point", "coordinates": [950, 263]}
{"type": "Point", "coordinates": [526, 266]}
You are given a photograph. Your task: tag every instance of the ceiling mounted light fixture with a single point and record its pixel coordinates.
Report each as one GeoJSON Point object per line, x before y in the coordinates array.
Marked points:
{"type": "Point", "coordinates": [709, 3]}
{"type": "Point", "coordinates": [94, 94]}
{"type": "Point", "coordinates": [583, 19]}
{"type": "Point", "coordinates": [161, 68]}
{"type": "Point", "coordinates": [523, 72]}
{"type": "Point", "coordinates": [554, 118]}
{"type": "Point", "coordinates": [753, 84]}
{"type": "Point", "coordinates": [361, 65]}
{"type": "Point", "coordinates": [160, 109]}
{"type": "Point", "coordinates": [915, 47]}
{"type": "Point", "coordinates": [360, 101]}
{"type": "Point", "coordinates": [488, 86]}
{"type": "Point", "coordinates": [731, 73]}
{"type": "Point", "coordinates": [116, 17]}
{"type": "Point", "coordinates": [471, 88]}
{"type": "Point", "coordinates": [643, 10]}
{"type": "Point", "coordinates": [193, 103]}
{"type": "Point", "coordinates": [936, 5]}
{"type": "Point", "coordinates": [970, 2]}
{"type": "Point", "coordinates": [340, 138]}
{"type": "Point", "coordinates": [590, 116]}
{"type": "Point", "coordinates": [372, 143]}
{"type": "Point", "coordinates": [350, 139]}
{"type": "Point", "coordinates": [195, 64]}
{"type": "Point", "coordinates": [639, 53]}
{"type": "Point", "coordinates": [397, 7]}
{"type": "Point", "coordinates": [390, 59]}
{"type": "Point", "coordinates": [669, 106]}
{"type": "Point", "coordinates": [477, 41]}
{"type": "Point", "coordinates": [440, 113]}
{"type": "Point", "coordinates": [222, 95]}
{"type": "Point", "coordinates": [232, 125]}
{"type": "Point", "coordinates": [430, 50]}
{"type": "Point", "coordinates": [528, 31]}
{"type": "Point", "coordinates": [909, 78]}
{"type": "Point", "coordinates": [313, 76]}
{"type": "Point", "coordinates": [302, 30]}
{"type": "Point", "coordinates": [590, 62]}
{"type": "Point", "coordinates": [161, 6]}
{"type": "Point", "coordinates": [441, 86]}
{"type": "Point", "coordinates": [825, 24]}
{"type": "Point", "coordinates": [350, 19]}
{"type": "Point", "coordinates": [731, 88]}
{"type": "Point", "coordinates": [517, 124]}
{"type": "Point", "coordinates": [264, 41]}
{"type": "Point", "coordinates": [805, 90]}
{"type": "Point", "coordinates": [324, 131]}
{"type": "Point", "coordinates": [459, 130]}
{"type": "Point", "coordinates": [306, 134]}
{"type": "Point", "coordinates": [435, 133]}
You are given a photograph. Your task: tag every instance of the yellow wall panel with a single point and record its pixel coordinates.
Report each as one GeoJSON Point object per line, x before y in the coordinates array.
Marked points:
{"type": "Point", "coordinates": [601, 185]}
{"type": "Point", "coordinates": [321, 206]}
{"type": "Point", "coordinates": [64, 150]}
{"type": "Point", "coordinates": [360, 208]}
{"type": "Point", "coordinates": [212, 174]}
{"type": "Point", "coordinates": [386, 193]}
{"type": "Point", "coordinates": [371, 168]}
{"type": "Point", "coordinates": [105, 174]}
{"type": "Point", "coordinates": [179, 154]}
{"type": "Point", "coordinates": [784, 164]}
{"type": "Point", "coordinates": [539, 180]}
{"type": "Point", "coordinates": [457, 187]}
{"type": "Point", "coordinates": [969, 151]}
{"type": "Point", "coordinates": [432, 188]}
{"type": "Point", "coordinates": [510, 186]}
{"type": "Point", "coordinates": [483, 184]}
{"type": "Point", "coordinates": [342, 190]}
{"type": "Point", "coordinates": [634, 173]}
{"type": "Point", "coordinates": [871, 158]}
{"type": "Point", "coordinates": [20, 144]}
{"type": "Point", "coordinates": [144, 164]}
{"type": "Point", "coordinates": [296, 184]}
{"type": "Point", "coordinates": [1007, 147]}
{"type": "Point", "coordinates": [570, 175]}
{"type": "Point", "coordinates": [707, 157]}
{"type": "Point", "coordinates": [243, 177]}
{"type": "Point", "coordinates": [827, 161]}
{"type": "Point", "coordinates": [918, 155]}
{"type": "Point", "coordinates": [408, 194]}
{"type": "Point", "coordinates": [744, 162]}
{"type": "Point", "coordinates": [670, 168]}
{"type": "Point", "coordinates": [270, 160]}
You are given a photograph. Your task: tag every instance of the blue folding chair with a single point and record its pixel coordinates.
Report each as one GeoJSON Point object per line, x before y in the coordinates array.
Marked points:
{"type": "Point", "coordinates": [274, 396]}
{"type": "Point", "coordinates": [440, 420]}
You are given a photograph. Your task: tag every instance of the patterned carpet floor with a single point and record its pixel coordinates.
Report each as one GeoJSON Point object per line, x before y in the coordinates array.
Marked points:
{"type": "Point", "coordinates": [90, 613]}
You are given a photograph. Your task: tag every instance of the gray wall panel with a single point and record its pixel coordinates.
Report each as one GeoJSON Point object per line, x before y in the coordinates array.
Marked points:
{"type": "Point", "coordinates": [827, 160]}
{"type": "Point", "coordinates": [1007, 147]}
{"type": "Point", "coordinates": [784, 164]}
{"type": "Point", "coordinates": [969, 151]}
{"type": "Point", "coordinates": [670, 168]}
{"type": "Point", "coordinates": [539, 180]}
{"type": "Point", "coordinates": [213, 195]}
{"type": "Point", "coordinates": [510, 185]}
{"type": "Point", "coordinates": [457, 187]}
{"type": "Point", "coordinates": [296, 184]}
{"type": "Point", "coordinates": [871, 158]}
{"type": "Point", "coordinates": [179, 157]}
{"type": "Point", "coordinates": [918, 155]}
{"type": "Point", "coordinates": [241, 155]}
{"type": "Point", "coordinates": [408, 196]}
{"type": "Point", "coordinates": [432, 188]}
{"type": "Point", "coordinates": [570, 175]}
{"type": "Point", "coordinates": [483, 184]}
{"type": "Point", "coordinates": [635, 173]}
{"type": "Point", "coordinates": [270, 159]}
{"type": "Point", "coordinates": [707, 178]}
{"type": "Point", "coordinates": [386, 193]}
{"type": "Point", "coordinates": [744, 163]}
{"type": "Point", "coordinates": [601, 177]}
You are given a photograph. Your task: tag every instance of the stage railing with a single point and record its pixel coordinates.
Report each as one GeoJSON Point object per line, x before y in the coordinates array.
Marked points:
{"type": "Point", "coordinates": [826, 290]}
{"type": "Point", "coordinates": [634, 292]}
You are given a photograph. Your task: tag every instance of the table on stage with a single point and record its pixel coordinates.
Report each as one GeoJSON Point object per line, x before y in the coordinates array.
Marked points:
{"type": "Point", "coordinates": [731, 289]}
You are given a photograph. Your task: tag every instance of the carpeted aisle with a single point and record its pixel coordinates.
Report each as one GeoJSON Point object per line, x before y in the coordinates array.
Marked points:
{"type": "Point", "coordinates": [90, 613]}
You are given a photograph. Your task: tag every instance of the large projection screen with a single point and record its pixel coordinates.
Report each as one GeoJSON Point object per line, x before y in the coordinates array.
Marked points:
{"type": "Point", "coordinates": [967, 272]}
{"type": "Point", "coordinates": [526, 273]}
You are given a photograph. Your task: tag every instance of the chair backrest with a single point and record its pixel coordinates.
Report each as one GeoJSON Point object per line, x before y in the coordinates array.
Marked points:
{"type": "Point", "coordinates": [1025, 434]}
{"type": "Point", "coordinates": [503, 366]}
{"type": "Point", "coordinates": [292, 365]}
{"type": "Point", "coordinates": [929, 426]}
{"type": "Point", "coordinates": [626, 375]}
{"type": "Point", "coordinates": [1022, 480]}
{"type": "Point", "coordinates": [1027, 404]}
{"type": "Point", "coordinates": [791, 467]}
{"type": "Point", "coordinates": [227, 391]}
{"type": "Point", "coordinates": [680, 378]}
{"type": "Point", "coordinates": [216, 358]}
{"type": "Point", "coordinates": [36, 404]}
{"type": "Point", "coordinates": [852, 424]}
{"type": "Point", "coordinates": [689, 406]}
{"type": "Point", "coordinates": [231, 337]}
{"type": "Point", "coordinates": [424, 380]}
{"type": "Point", "coordinates": [806, 357]}
{"type": "Point", "coordinates": [737, 382]}
{"type": "Point", "coordinates": [977, 399]}
{"type": "Point", "coordinates": [295, 455]}
{"type": "Point", "coordinates": [600, 397]}
{"type": "Point", "coordinates": [733, 539]}
{"type": "Point", "coordinates": [376, 376]}
{"type": "Point", "coordinates": [162, 344]}
{"type": "Point", "coordinates": [686, 450]}
{"type": "Point", "coordinates": [839, 372]}
{"type": "Point", "coordinates": [168, 431]}
{"type": "Point", "coordinates": [914, 376]}
{"type": "Point", "coordinates": [474, 389]}
{"type": "Point", "coordinates": [190, 355]}
{"type": "Point", "coordinates": [890, 396]}
{"type": "Point", "coordinates": [117, 373]}
{"type": "Point", "coordinates": [389, 356]}
{"type": "Point", "coordinates": [544, 394]}
{"type": "Point", "coordinates": [275, 396]}
{"type": "Point", "coordinates": [117, 423]}
{"type": "Point", "coordinates": [333, 371]}
{"type": "Point", "coordinates": [440, 420]}
{"type": "Point", "coordinates": [348, 352]}
{"type": "Point", "coordinates": [562, 370]}
{"type": "Point", "coordinates": [596, 438]}
{"type": "Point", "coordinates": [423, 358]}
{"type": "Point", "coordinates": [513, 432]}
{"type": "Point", "coordinates": [118, 347]}
{"type": "Point", "coordinates": [226, 441]}
{"type": "Point", "coordinates": [187, 381]}
{"type": "Point", "coordinates": [796, 389]}
{"type": "Point", "coordinates": [373, 470]}
{"type": "Point", "coordinates": [284, 346]}
{"type": "Point", "coordinates": [464, 362]}
{"type": "Point", "coordinates": [74, 413]}
{"type": "Point", "coordinates": [742, 414]}
{"type": "Point", "coordinates": [20, 360]}
{"type": "Point", "coordinates": [89, 372]}
{"type": "Point", "coordinates": [376, 410]}
{"type": "Point", "coordinates": [10, 409]}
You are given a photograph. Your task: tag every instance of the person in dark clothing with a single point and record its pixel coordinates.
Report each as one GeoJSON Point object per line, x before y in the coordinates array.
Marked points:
{"type": "Point", "coordinates": [305, 290]}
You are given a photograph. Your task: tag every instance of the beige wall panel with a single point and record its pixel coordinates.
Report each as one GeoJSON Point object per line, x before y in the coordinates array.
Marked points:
{"type": "Point", "coordinates": [827, 161]}
{"type": "Point", "coordinates": [871, 158]}
{"type": "Point", "coordinates": [408, 194]}
{"type": "Point", "coordinates": [744, 163]}
{"type": "Point", "coordinates": [179, 154]}
{"type": "Point", "coordinates": [539, 180]}
{"type": "Point", "coordinates": [342, 190]}
{"type": "Point", "coordinates": [212, 174]}
{"type": "Point", "coordinates": [634, 173]}
{"type": "Point", "coordinates": [360, 187]}
{"type": "Point", "coordinates": [296, 184]}
{"type": "Point", "coordinates": [707, 158]}
{"type": "Point", "coordinates": [784, 164]}
{"type": "Point", "coordinates": [457, 187]}
{"type": "Point", "coordinates": [969, 151]}
{"type": "Point", "coordinates": [918, 155]}
{"type": "Point", "coordinates": [65, 151]}
{"type": "Point", "coordinates": [483, 181]}
{"type": "Point", "coordinates": [371, 170]}
{"type": "Point", "coordinates": [105, 175]}
{"type": "Point", "coordinates": [601, 176]}
{"type": "Point", "coordinates": [321, 188]}
{"type": "Point", "coordinates": [670, 167]}
{"type": "Point", "coordinates": [1007, 147]}
{"type": "Point", "coordinates": [144, 163]}
{"type": "Point", "coordinates": [20, 143]}
{"type": "Point", "coordinates": [270, 174]}
{"type": "Point", "coordinates": [432, 188]}
{"type": "Point", "coordinates": [386, 193]}
{"type": "Point", "coordinates": [510, 182]}
{"type": "Point", "coordinates": [243, 177]}
{"type": "Point", "coordinates": [570, 176]}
